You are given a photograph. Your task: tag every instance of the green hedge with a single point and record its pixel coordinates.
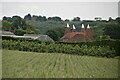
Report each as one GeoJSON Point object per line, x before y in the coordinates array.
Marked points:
{"type": "Point", "coordinates": [58, 48]}
{"type": "Point", "coordinates": [113, 44]}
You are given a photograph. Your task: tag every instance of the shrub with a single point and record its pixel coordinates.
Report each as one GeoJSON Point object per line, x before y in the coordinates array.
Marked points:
{"type": "Point", "coordinates": [19, 32]}
{"type": "Point", "coordinates": [113, 44]}
{"type": "Point", "coordinates": [104, 51]}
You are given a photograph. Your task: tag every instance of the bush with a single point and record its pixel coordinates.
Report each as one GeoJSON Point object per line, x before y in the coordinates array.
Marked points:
{"type": "Point", "coordinates": [113, 44]}
{"type": "Point", "coordinates": [20, 32]}
{"type": "Point", "coordinates": [42, 47]}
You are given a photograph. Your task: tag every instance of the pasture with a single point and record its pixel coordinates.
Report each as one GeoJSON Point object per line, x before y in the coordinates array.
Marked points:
{"type": "Point", "coordinates": [19, 64]}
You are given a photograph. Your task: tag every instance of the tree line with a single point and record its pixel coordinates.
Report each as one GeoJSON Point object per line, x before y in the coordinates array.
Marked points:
{"type": "Point", "coordinates": [39, 18]}
{"type": "Point", "coordinates": [54, 18]}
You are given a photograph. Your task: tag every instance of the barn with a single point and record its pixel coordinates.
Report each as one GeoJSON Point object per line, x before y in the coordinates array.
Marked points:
{"type": "Point", "coordinates": [83, 35]}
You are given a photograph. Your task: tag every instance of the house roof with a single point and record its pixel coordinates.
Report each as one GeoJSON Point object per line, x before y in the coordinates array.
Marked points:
{"type": "Point", "coordinates": [6, 32]}
{"type": "Point", "coordinates": [30, 36]}
{"type": "Point", "coordinates": [72, 34]}
{"type": "Point", "coordinates": [45, 37]}
{"type": "Point", "coordinates": [25, 37]}
{"type": "Point", "coordinates": [38, 36]}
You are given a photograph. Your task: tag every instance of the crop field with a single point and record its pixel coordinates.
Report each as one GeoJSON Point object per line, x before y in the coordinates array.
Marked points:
{"type": "Point", "coordinates": [19, 64]}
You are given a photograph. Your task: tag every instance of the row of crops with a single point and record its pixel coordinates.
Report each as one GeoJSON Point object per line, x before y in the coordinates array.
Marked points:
{"type": "Point", "coordinates": [19, 64]}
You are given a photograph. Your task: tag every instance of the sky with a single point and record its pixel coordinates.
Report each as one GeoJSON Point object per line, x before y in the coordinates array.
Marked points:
{"type": "Point", "coordinates": [66, 10]}
{"type": "Point", "coordinates": [119, 9]}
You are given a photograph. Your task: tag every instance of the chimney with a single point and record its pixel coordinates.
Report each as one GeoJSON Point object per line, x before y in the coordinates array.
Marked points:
{"type": "Point", "coordinates": [89, 33]}
{"type": "Point", "coordinates": [83, 28]}
{"type": "Point", "coordinates": [67, 29]}
{"type": "Point", "coordinates": [74, 29]}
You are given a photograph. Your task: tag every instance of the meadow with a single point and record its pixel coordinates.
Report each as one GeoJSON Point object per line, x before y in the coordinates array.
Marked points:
{"type": "Point", "coordinates": [20, 64]}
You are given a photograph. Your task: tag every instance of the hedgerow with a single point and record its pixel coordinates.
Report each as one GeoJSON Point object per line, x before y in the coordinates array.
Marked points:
{"type": "Point", "coordinates": [104, 51]}
{"type": "Point", "coordinates": [113, 44]}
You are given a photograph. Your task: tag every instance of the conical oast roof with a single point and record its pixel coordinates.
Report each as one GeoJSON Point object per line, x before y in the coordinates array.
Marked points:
{"type": "Point", "coordinates": [89, 33]}
{"type": "Point", "coordinates": [68, 25]}
{"type": "Point", "coordinates": [74, 29]}
{"type": "Point", "coordinates": [88, 26]}
{"type": "Point", "coordinates": [83, 28]}
{"type": "Point", "coordinates": [67, 29]}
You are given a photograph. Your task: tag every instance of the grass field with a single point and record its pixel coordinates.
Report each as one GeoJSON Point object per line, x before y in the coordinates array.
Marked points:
{"type": "Point", "coordinates": [18, 64]}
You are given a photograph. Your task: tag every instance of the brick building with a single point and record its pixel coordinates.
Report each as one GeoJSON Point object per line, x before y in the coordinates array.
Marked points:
{"type": "Point", "coordinates": [83, 35]}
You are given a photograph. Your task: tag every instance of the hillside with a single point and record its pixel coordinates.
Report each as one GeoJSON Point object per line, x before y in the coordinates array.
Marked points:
{"type": "Point", "coordinates": [19, 64]}
{"type": "Point", "coordinates": [43, 26]}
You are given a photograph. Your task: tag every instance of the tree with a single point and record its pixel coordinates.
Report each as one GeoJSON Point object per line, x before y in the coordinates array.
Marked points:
{"type": "Point", "coordinates": [28, 17]}
{"type": "Point", "coordinates": [104, 37]}
{"type": "Point", "coordinates": [19, 23]}
{"type": "Point", "coordinates": [6, 25]}
{"type": "Point", "coordinates": [61, 31]}
{"type": "Point", "coordinates": [53, 34]}
{"type": "Point", "coordinates": [67, 20]}
{"type": "Point", "coordinates": [110, 19]}
{"type": "Point", "coordinates": [56, 18]}
{"type": "Point", "coordinates": [9, 19]}
{"type": "Point", "coordinates": [15, 18]}
{"type": "Point", "coordinates": [113, 30]}
{"type": "Point", "coordinates": [97, 31]}
{"type": "Point", "coordinates": [98, 18]}
{"type": "Point", "coordinates": [44, 18]}
{"type": "Point", "coordinates": [5, 18]}
{"type": "Point", "coordinates": [76, 19]}
{"type": "Point", "coordinates": [40, 18]}
{"type": "Point", "coordinates": [19, 32]}
{"type": "Point", "coordinates": [118, 20]}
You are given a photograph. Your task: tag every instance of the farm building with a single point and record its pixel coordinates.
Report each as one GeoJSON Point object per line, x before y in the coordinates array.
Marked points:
{"type": "Point", "coordinates": [40, 37]}
{"type": "Point", "coordinates": [29, 36]}
{"type": "Point", "coordinates": [83, 35]}
{"type": "Point", "coordinates": [7, 33]}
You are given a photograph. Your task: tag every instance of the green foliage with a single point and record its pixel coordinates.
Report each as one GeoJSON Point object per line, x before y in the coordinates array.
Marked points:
{"type": "Point", "coordinates": [44, 24]}
{"type": "Point", "coordinates": [15, 18]}
{"type": "Point", "coordinates": [52, 47]}
{"type": "Point", "coordinates": [9, 19]}
{"type": "Point", "coordinates": [28, 17]}
{"type": "Point", "coordinates": [113, 30]}
{"type": "Point", "coordinates": [6, 25]}
{"type": "Point", "coordinates": [96, 32]}
{"type": "Point", "coordinates": [110, 19]}
{"type": "Point", "coordinates": [30, 32]}
{"type": "Point", "coordinates": [67, 20]}
{"type": "Point", "coordinates": [40, 18]}
{"type": "Point", "coordinates": [53, 34]}
{"type": "Point", "coordinates": [19, 23]}
{"type": "Point", "coordinates": [76, 19]}
{"type": "Point", "coordinates": [118, 20]}
{"type": "Point", "coordinates": [98, 18]}
{"type": "Point", "coordinates": [113, 44]}
{"type": "Point", "coordinates": [56, 18]}
{"type": "Point", "coordinates": [21, 64]}
{"type": "Point", "coordinates": [104, 37]}
{"type": "Point", "coordinates": [19, 32]}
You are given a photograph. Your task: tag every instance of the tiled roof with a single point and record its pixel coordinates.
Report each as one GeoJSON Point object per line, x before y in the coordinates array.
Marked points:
{"type": "Point", "coordinates": [72, 34]}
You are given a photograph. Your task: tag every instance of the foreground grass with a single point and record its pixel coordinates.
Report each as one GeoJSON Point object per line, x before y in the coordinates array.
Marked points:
{"type": "Point", "coordinates": [19, 64]}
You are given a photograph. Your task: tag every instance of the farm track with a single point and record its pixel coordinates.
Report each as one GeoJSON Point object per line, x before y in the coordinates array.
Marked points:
{"type": "Point", "coordinates": [19, 64]}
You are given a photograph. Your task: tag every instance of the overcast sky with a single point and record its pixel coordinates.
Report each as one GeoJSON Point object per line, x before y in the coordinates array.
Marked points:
{"type": "Point", "coordinates": [65, 10]}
